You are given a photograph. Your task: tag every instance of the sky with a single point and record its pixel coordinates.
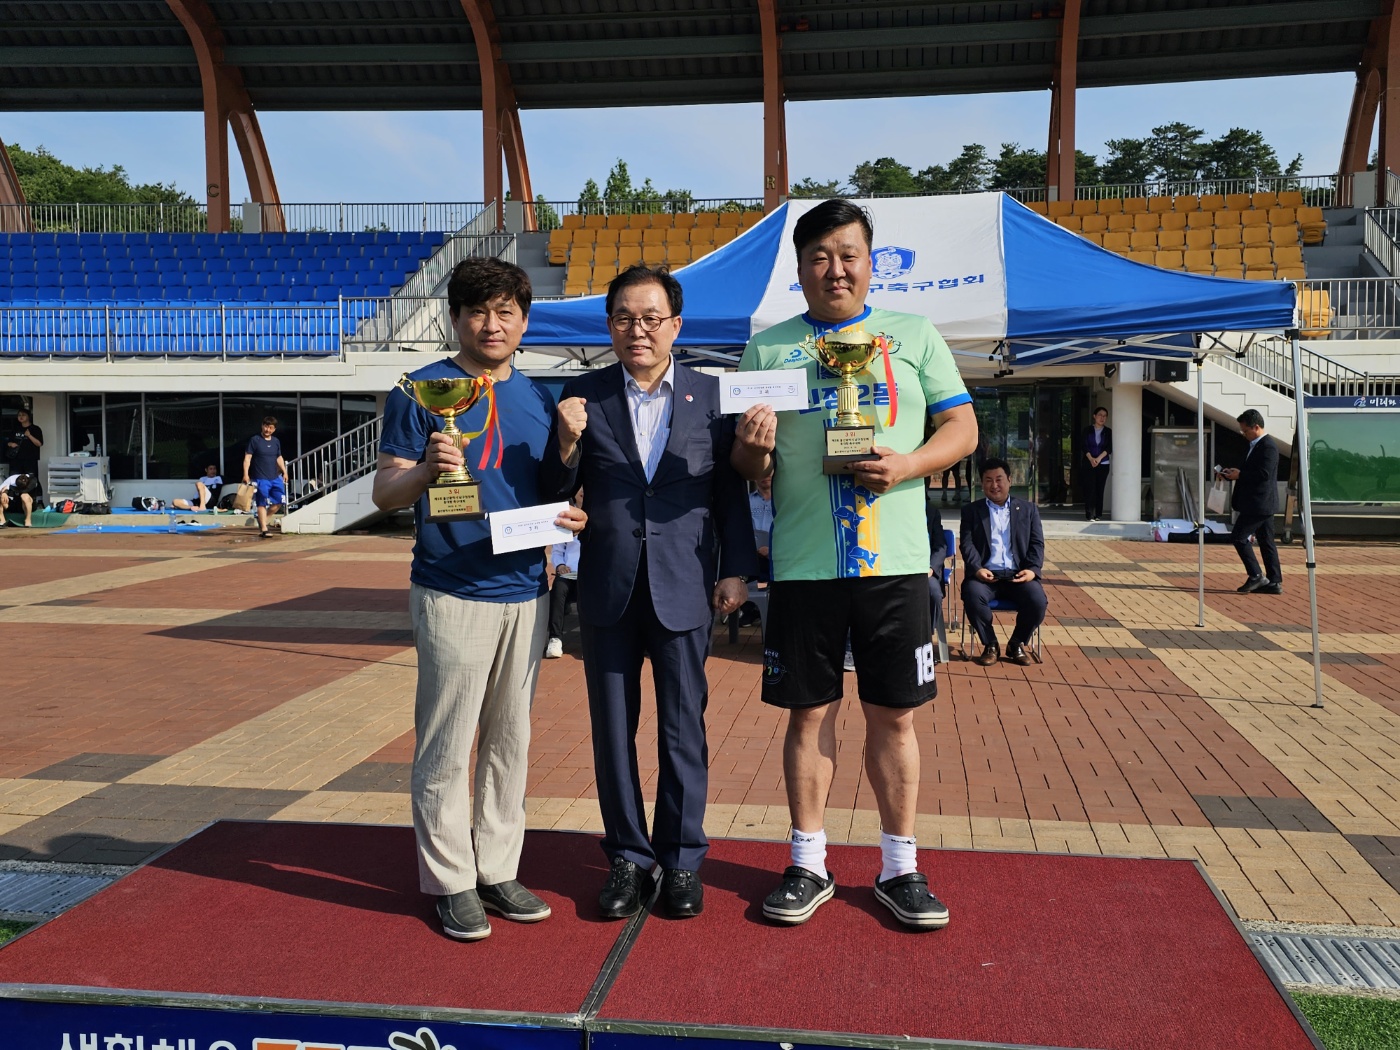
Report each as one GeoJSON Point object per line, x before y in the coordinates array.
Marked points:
{"type": "Point", "coordinates": [713, 151]}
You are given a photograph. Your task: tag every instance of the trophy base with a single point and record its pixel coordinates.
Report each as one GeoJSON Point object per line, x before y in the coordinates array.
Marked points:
{"type": "Point", "coordinates": [846, 446]}
{"type": "Point", "coordinates": [459, 501]}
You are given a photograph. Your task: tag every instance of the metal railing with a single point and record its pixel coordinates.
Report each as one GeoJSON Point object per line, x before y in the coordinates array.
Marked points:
{"type": "Point", "coordinates": [336, 463]}
{"type": "Point", "coordinates": [1323, 191]}
{"type": "Point", "coordinates": [1352, 307]}
{"type": "Point", "coordinates": [1382, 237]}
{"type": "Point", "coordinates": [399, 322]}
{"type": "Point", "coordinates": [1392, 189]}
{"type": "Point", "coordinates": [425, 217]}
{"type": "Point", "coordinates": [214, 331]}
{"type": "Point", "coordinates": [478, 238]}
{"type": "Point", "coordinates": [663, 206]}
{"type": "Point", "coordinates": [103, 218]}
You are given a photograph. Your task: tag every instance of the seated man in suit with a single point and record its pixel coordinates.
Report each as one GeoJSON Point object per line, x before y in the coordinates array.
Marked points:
{"type": "Point", "coordinates": [1003, 549]}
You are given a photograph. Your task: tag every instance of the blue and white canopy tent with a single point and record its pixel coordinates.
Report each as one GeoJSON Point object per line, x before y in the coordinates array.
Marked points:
{"type": "Point", "coordinates": [1006, 288]}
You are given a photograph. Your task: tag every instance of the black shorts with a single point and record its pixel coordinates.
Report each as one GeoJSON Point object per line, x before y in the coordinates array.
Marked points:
{"type": "Point", "coordinates": [887, 618]}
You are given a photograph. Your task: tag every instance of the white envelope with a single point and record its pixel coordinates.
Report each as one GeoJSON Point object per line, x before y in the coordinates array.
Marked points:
{"type": "Point", "coordinates": [526, 527]}
{"type": "Point", "coordinates": [783, 388]}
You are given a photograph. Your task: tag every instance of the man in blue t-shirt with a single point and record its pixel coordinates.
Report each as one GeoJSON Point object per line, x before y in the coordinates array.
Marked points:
{"type": "Point", "coordinates": [479, 618]}
{"type": "Point", "coordinates": [264, 467]}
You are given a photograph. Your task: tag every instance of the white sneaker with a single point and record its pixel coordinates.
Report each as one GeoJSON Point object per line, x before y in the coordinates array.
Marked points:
{"type": "Point", "coordinates": [554, 649]}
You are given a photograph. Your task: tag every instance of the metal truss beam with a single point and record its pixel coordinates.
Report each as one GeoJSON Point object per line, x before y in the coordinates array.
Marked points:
{"type": "Point", "coordinates": [14, 216]}
{"type": "Point", "coordinates": [500, 118]}
{"type": "Point", "coordinates": [1064, 84]}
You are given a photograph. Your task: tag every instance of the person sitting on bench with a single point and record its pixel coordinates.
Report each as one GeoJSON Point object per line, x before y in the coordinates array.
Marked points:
{"type": "Point", "coordinates": [1003, 549]}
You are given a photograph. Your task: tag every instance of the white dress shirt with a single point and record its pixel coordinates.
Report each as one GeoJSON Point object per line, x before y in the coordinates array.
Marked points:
{"type": "Point", "coordinates": [651, 417]}
{"type": "Point", "coordinates": [761, 511]}
{"type": "Point", "coordinates": [564, 557]}
{"type": "Point", "coordinates": [999, 533]}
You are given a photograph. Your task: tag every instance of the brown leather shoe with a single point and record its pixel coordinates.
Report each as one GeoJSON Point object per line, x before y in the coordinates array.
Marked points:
{"type": "Point", "coordinates": [1016, 653]}
{"type": "Point", "coordinates": [990, 655]}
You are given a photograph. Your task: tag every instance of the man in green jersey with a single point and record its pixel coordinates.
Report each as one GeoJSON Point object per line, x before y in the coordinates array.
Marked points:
{"type": "Point", "coordinates": [850, 555]}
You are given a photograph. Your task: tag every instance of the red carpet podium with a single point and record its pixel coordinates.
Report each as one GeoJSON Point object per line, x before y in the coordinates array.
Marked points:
{"type": "Point", "coordinates": [276, 936]}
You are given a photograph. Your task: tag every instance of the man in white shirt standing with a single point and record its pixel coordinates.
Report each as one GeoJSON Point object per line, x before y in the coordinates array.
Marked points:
{"type": "Point", "coordinates": [1003, 551]}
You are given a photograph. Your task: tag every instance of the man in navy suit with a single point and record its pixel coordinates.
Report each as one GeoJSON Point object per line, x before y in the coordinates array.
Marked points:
{"type": "Point", "coordinates": [1003, 551]}
{"type": "Point", "coordinates": [1255, 502]}
{"type": "Point", "coordinates": [669, 541]}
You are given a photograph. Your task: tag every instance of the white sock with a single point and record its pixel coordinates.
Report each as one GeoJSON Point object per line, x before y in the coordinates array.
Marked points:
{"type": "Point", "coordinates": [809, 851]}
{"type": "Point", "coordinates": [897, 855]}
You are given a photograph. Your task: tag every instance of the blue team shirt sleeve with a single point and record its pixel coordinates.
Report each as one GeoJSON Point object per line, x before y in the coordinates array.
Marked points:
{"type": "Point", "coordinates": [406, 427]}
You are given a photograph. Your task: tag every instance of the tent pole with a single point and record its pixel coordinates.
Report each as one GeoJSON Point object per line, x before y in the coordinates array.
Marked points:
{"type": "Point", "coordinates": [1300, 449]}
{"type": "Point", "coordinates": [1200, 495]}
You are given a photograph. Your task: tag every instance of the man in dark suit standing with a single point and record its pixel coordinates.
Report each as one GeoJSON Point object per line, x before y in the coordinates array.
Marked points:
{"type": "Point", "coordinates": [1003, 551]}
{"type": "Point", "coordinates": [669, 541]}
{"type": "Point", "coordinates": [1255, 502]}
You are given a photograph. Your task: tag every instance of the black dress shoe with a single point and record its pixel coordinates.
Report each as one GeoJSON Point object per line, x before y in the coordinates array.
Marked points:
{"type": "Point", "coordinates": [628, 887]}
{"type": "Point", "coordinates": [1251, 585]}
{"type": "Point", "coordinates": [682, 896]}
{"type": "Point", "coordinates": [1269, 588]}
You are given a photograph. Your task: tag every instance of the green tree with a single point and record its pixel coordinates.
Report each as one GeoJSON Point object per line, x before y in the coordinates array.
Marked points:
{"type": "Point", "coordinates": [619, 184]}
{"type": "Point", "coordinates": [1128, 161]}
{"type": "Point", "coordinates": [47, 180]}
{"type": "Point", "coordinates": [620, 195]}
{"type": "Point", "coordinates": [809, 188]}
{"type": "Point", "coordinates": [590, 201]}
{"type": "Point", "coordinates": [883, 176]}
{"type": "Point", "coordinates": [546, 218]}
{"type": "Point", "coordinates": [968, 172]}
{"type": "Point", "coordinates": [1016, 167]}
{"type": "Point", "coordinates": [1176, 151]}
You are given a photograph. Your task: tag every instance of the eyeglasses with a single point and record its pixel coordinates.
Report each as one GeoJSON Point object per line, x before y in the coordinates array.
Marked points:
{"type": "Point", "coordinates": [649, 323]}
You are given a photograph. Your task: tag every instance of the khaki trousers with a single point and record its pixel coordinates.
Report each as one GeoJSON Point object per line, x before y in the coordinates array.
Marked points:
{"type": "Point", "coordinates": [477, 667]}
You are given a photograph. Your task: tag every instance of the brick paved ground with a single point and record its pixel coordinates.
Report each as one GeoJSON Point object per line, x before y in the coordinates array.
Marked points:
{"type": "Point", "coordinates": [157, 682]}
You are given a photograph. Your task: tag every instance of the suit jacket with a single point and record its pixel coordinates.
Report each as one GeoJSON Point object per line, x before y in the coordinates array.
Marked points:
{"type": "Point", "coordinates": [1256, 489]}
{"type": "Point", "coordinates": [693, 514]}
{"type": "Point", "coordinates": [1027, 539]}
{"type": "Point", "coordinates": [1087, 445]}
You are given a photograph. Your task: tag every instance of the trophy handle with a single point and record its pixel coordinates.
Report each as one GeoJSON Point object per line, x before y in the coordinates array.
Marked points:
{"type": "Point", "coordinates": [406, 385]}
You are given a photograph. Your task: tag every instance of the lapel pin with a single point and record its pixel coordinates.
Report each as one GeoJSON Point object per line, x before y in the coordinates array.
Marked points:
{"type": "Point", "coordinates": [690, 397]}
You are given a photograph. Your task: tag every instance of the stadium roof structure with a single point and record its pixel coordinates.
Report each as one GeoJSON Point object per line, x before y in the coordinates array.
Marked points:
{"type": "Point", "coordinates": [419, 54]}
{"type": "Point", "coordinates": [234, 57]}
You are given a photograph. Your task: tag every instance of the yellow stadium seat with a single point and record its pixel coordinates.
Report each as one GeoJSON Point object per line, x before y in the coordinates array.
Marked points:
{"type": "Point", "coordinates": [751, 219]}
{"type": "Point", "coordinates": [1198, 261]}
{"type": "Point", "coordinates": [677, 254]}
{"type": "Point", "coordinates": [575, 287]}
{"type": "Point", "coordinates": [1134, 205]}
{"type": "Point", "coordinates": [1259, 275]}
{"type": "Point", "coordinates": [700, 250]}
{"type": "Point", "coordinates": [1288, 255]}
{"type": "Point", "coordinates": [683, 220]}
{"type": "Point", "coordinates": [1290, 198]}
{"type": "Point", "coordinates": [1174, 220]}
{"type": "Point", "coordinates": [724, 234]}
{"type": "Point", "coordinates": [603, 274]}
{"type": "Point", "coordinates": [1229, 237]}
{"type": "Point", "coordinates": [1069, 222]}
{"type": "Point", "coordinates": [1159, 204]}
{"type": "Point", "coordinates": [653, 254]}
{"type": "Point", "coordinates": [1315, 306]}
{"type": "Point", "coordinates": [1254, 236]}
{"type": "Point", "coordinates": [1237, 201]}
{"type": "Point", "coordinates": [1188, 202]}
{"type": "Point", "coordinates": [1057, 209]}
{"type": "Point", "coordinates": [1036, 206]}
{"type": "Point", "coordinates": [629, 236]}
{"type": "Point", "coordinates": [1212, 201]}
{"type": "Point", "coordinates": [1120, 221]}
{"type": "Point", "coordinates": [594, 222]}
{"type": "Point", "coordinates": [1171, 240]}
{"type": "Point", "coordinates": [1282, 216]}
{"type": "Point", "coordinates": [707, 218]}
{"type": "Point", "coordinates": [1143, 240]}
{"type": "Point", "coordinates": [1227, 217]}
{"type": "Point", "coordinates": [1082, 208]}
{"type": "Point", "coordinates": [1313, 225]}
{"type": "Point", "coordinates": [560, 238]}
{"type": "Point", "coordinates": [677, 236]}
{"type": "Point", "coordinates": [1117, 240]}
{"type": "Point", "coordinates": [585, 235]}
{"type": "Point", "coordinates": [617, 222]}
{"type": "Point", "coordinates": [1111, 206]}
{"type": "Point", "coordinates": [1094, 237]}
{"type": "Point", "coordinates": [604, 253]}
{"type": "Point", "coordinates": [1289, 234]}
{"type": "Point", "coordinates": [1169, 260]}
{"type": "Point", "coordinates": [1146, 220]}
{"type": "Point", "coordinates": [653, 235]}
{"type": "Point", "coordinates": [1264, 199]}
{"type": "Point", "coordinates": [1229, 262]}
{"type": "Point", "coordinates": [1200, 240]}
{"type": "Point", "coordinates": [1254, 217]}
{"type": "Point", "coordinates": [1259, 260]}
{"type": "Point", "coordinates": [608, 235]}
{"type": "Point", "coordinates": [573, 221]}
{"type": "Point", "coordinates": [628, 255]}
{"type": "Point", "coordinates": [1290, 273]}
{"type": "Point", "coordinates": [1148, 258]}
{"type": "Point", "coordinates": [729, 219]}
{"type": "Point", "coordinates": [1200, 220]}
{"type": "Point", "coordinates": [558, 256]}
{"type": "Point", "coordinates": [1093, 223]}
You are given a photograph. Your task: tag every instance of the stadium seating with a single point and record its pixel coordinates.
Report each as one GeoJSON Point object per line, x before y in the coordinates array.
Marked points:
{"type": "Point", "coordinates": [1255, 236]}
{"type": "Point", "coordinates": [594, 248]}
{"type": "Point", "coordinates": [135, 268]}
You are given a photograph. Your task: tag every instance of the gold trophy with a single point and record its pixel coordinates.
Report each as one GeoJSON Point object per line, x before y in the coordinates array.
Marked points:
{"type": "Point", "coordinates": [454, 495]}
{"type": "Point", "coordinates": [847, 354]}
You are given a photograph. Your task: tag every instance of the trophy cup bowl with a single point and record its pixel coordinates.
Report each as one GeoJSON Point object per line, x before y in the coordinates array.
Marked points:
{"type": "Point", "coordinates": [454, 494]}
{"type": "Point", "coordinates": [850, 439]}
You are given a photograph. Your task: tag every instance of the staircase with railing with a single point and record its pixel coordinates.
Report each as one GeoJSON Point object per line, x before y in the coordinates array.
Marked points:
{"type": "Point", "coordinates": [330, 486]}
